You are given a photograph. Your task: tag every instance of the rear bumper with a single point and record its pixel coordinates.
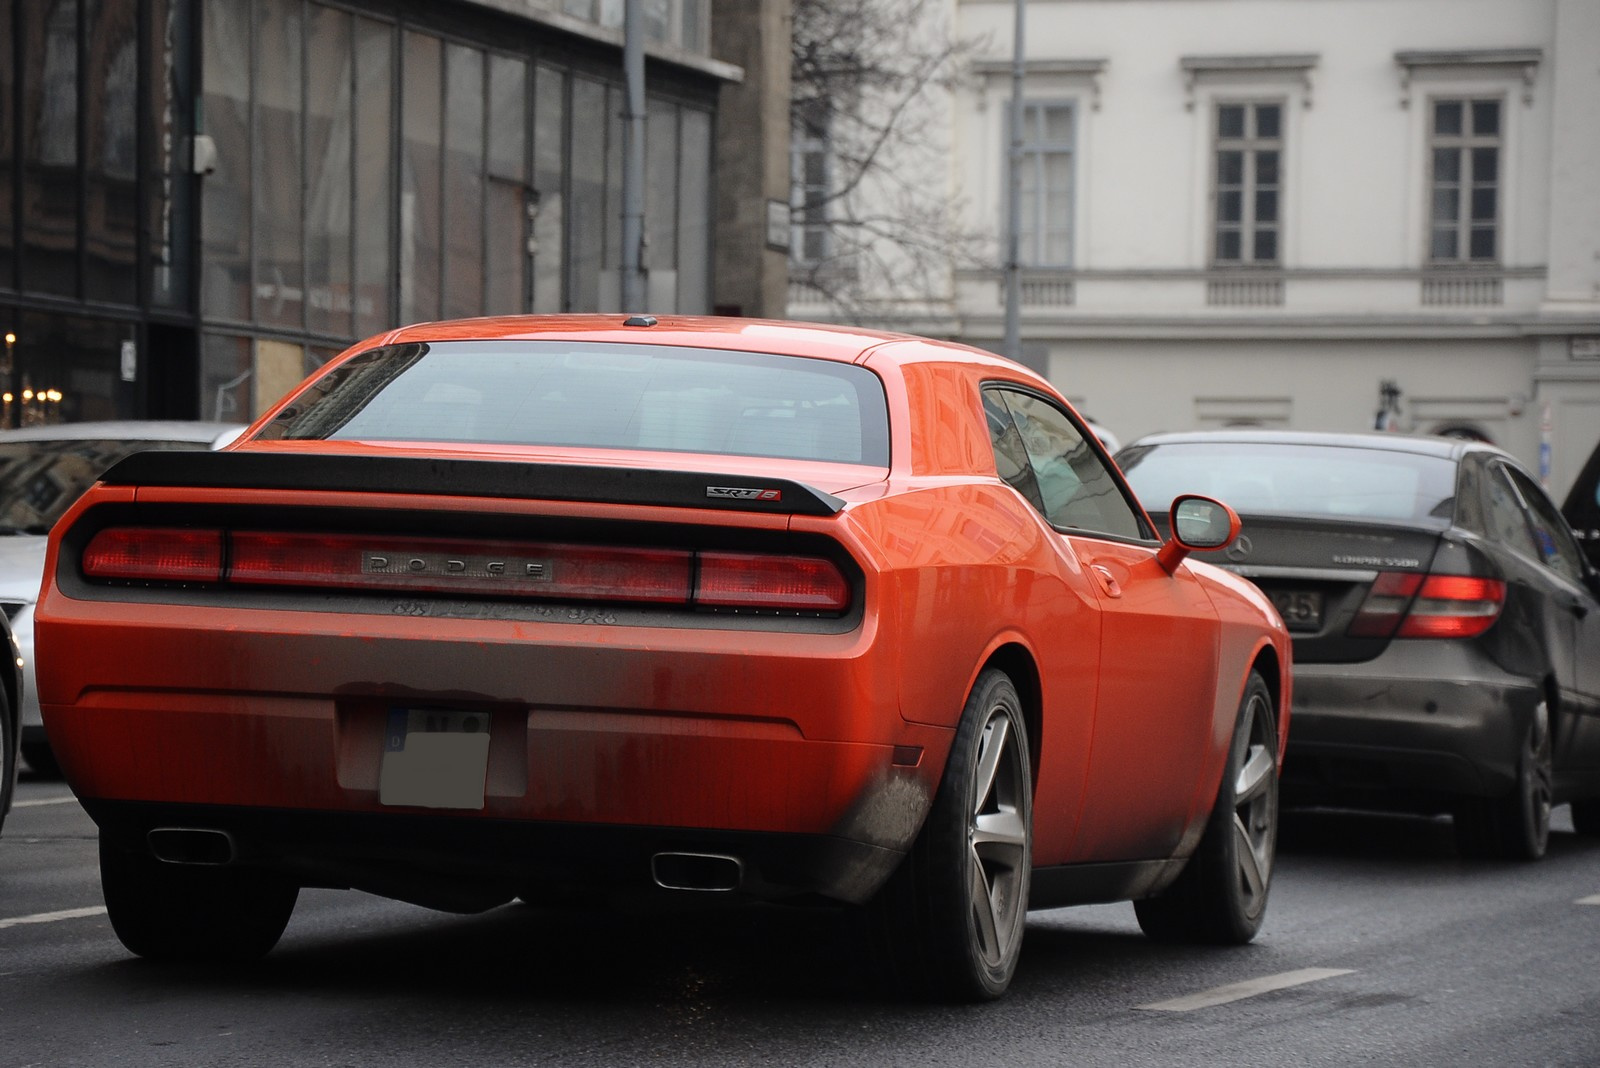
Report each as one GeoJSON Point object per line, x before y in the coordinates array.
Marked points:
{"type": "Point", "coordinates": [469, 865]}
{"type": "Point", "coordinates": [1422, 722]}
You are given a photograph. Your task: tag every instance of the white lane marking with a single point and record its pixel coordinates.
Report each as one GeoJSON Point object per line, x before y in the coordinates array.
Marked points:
{"type": "Point", "coordinates": [1592, 899]}
{"type": "Point", "coordinates": [1221, 995]}
{"type": "Point", "coordinates": [36, 802]}
{"type": "Point", "coordinates": [52, 917]}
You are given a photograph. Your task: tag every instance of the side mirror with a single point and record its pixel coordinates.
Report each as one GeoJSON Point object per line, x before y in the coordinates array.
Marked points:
{"type": "Point", "coordinates": [1196, 523]}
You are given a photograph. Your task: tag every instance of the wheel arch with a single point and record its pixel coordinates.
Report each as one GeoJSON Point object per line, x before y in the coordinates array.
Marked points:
{"type": "Point", "coordinates": [1266, 664]}
{"type": "Point", "coordinates": [1017, 662]}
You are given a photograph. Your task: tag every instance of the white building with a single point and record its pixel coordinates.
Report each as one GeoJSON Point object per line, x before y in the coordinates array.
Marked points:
{"type": "Point", "coordinates": [1297, 213]}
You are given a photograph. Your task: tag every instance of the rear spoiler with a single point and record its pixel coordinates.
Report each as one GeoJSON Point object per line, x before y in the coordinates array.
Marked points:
{"type": "Point", "coordinates": [473, 478]}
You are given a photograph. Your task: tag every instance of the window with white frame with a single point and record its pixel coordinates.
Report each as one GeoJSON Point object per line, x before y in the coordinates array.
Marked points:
{"type": "Point", "coordinates": [1248, 184]}
{"type": "Point", "coordinates": [1465, 141]}
{"type": "Point", "coordinates": [1049, 131]}
{"type": "Point", "coordinates": [810, 184]}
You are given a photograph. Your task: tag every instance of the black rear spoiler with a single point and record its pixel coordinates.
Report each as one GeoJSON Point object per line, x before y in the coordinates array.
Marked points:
{"type": "Point", "coordinates": [472, 478]}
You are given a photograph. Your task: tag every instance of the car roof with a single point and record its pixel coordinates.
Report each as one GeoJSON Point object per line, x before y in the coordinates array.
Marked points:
{"type": "Point", "coordinates": [848, 344]}
{"type": "Point", "coordinates": [1424, 445]}
{"type": "Point", "coordinates": [124, 430]}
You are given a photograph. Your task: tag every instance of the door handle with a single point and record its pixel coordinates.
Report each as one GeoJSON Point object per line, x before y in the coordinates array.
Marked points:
{"type": "Point", "coordinates": [1108, 581]}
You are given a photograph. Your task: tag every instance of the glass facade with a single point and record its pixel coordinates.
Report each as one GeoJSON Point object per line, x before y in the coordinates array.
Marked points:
{"type": "Point", "coordinates": [197, 197]}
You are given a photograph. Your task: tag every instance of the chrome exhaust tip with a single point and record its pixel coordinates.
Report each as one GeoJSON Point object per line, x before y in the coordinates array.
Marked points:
{"type": "Point", "coordinates": [192, 845]}
{"type": "Point", "coordinates": [704, 872]}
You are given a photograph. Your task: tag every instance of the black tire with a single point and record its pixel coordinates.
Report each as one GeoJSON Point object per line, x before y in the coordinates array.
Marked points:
{"type": "Point", "coordinates": [181, 912]}
{"type": "Point", "coordinates": [951, 919]}
{"type": "Point", "coordinates": [8, 756]}
{"type": "Point", "coordinates": [41, 759]}
{"type": "Point", "coordinates": [1515, 826]}
{"type": "Point", "coordinates": [1221, 896]}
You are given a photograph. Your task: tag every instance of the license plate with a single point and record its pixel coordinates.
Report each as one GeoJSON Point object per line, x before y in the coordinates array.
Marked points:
{"type": "Point", "coordinates": [434, 758]}
{"type": "Point", "coordinates": [1300, 609]}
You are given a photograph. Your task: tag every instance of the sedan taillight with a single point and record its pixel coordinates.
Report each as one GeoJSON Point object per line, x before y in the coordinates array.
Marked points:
{"type": "Point", "coordinates": [462, 567]}
{"type": "Point", "coordinates": [1403, 604]}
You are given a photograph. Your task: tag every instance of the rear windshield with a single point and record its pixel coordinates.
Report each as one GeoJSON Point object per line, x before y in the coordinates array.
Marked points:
{"type": "Point", "coordinates": [1317, 480]}
{"type": "Point", "coordinates": [598, 396]}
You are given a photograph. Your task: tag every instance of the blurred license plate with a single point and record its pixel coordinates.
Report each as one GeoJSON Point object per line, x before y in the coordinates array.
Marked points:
{"type": "Point", "coordinates": [1300, 609]}
{"type": "Point", "coordinates": [434, 758]}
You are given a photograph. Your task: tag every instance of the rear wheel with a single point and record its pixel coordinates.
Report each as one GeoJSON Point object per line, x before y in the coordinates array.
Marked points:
{"type": "Point", "coordinates": [8, 756]}
{"type": "Point", "coordinates": [1517, 825]}
{"type": "Point", "coordinates": [953, 915]}
{"type": "Point", "coordinates": [1221, 897]}
{"type": "Point", "coordinates": [41, 759]}
{"type": "Point", "coordinates": [193, 913]}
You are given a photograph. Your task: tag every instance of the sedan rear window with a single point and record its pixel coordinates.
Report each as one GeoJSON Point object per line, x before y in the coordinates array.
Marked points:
{"type": "Point", "coordinates": [1294, 479]}
{"type": "Point", "coordinates": [587, 395]}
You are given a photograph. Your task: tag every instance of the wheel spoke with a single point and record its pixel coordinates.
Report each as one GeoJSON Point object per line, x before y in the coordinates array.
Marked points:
{"type": "Point", "coordinates": [1255, 776]}
{"type": "Point", "coordinates": [1004, 829]}
{"type": "Point", "coordinates": [996, 740]}
{"type": "Point", "coordinates": [983, 908]}
{"type": "Point", "coordinates": [1251, 870]}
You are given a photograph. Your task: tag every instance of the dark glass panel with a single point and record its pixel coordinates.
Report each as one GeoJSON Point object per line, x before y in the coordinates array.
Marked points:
{"type": "Point", "coordinates": [1446, 204]}
{"type": "Point", "coordinates": [1446, 165]}
{"type": "Point", "coordinates": [374, 189]}
{"type": "Point", "coordinates": [615, 134]}
{"type": "Point", "coordinates": [508, 118]}
{"type": "Point", "coordinates": [72, 364]}
{"type": "Point", "coordinates": [1483, 243]}
{"type": "Point", "coordinates": [1230, 207]}
{"type": "Point", "coordinates": [1269, 120]}
{"type": "Point", "coordinates": [1229, 246]}
{"type": "Point", "coordinates": [226, 373]}
{"type": "Point", "coordinates": [279, 205]}
{"type": "Point", "coordinates": [505, 289]}
{"type": "Point", "coordinates": [1485, 204]}
{"type": "Point", "coordinates": [1266, 168]}
{"type": "Point", "coordinates": [1486, 118]}
{"type": "Point", "coordinates": [1266, 206]}
{"type": "Point", "coordinates": [1230, 168]}
{"type": "Point", "coordinates": [50, 174]}
{"type": "Point", "coordinates": [111, 167]}
{"type": "Point", "coordinates": [549, 162]}
{"type": "Point", "coordinates": [1485, 165]}
{"type": "Point", "coordinates": [1444, 244]}
{"type": "Point", "coordinates": [328, 173]}
{"type": "Point", "coordinates": [225, 204]}
{"type": "Point", "coordinates": [1447, 118]}
{"type": "Point", "coordinates": [420, 235]}
{"type": "Point", "coordinates": [1266, 246]}
{"type": "Point", "coordinates": [1230, 120]}
{"type": "Point", "coordinates": [463, 182]}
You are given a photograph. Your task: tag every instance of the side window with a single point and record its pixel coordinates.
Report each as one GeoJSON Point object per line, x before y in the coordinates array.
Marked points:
{"type": "Point", "coordinates": [1075, 487]}
{"type": "Point", "coordinates": [1557, 548]}
{"type": "Point", "coordinates": [1503, 515]}
{"type": "Point", "coordinates": [1010, 457]}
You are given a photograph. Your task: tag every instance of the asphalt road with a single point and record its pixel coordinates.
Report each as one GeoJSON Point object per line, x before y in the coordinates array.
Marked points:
{"type": "Point", "coordinates": [1381, 947]}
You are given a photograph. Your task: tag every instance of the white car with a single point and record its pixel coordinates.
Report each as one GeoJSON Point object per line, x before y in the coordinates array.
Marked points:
{"type": "Point", "coordinates": [42, 471]}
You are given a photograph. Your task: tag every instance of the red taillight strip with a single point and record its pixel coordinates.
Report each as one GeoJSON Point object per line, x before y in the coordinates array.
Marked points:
{"type": "Point", "coordinates": [544, 571]}
{"type": "Point", "coordinates": [155, 554]}
{"type": "Point", "coordinates": [1406, 604]}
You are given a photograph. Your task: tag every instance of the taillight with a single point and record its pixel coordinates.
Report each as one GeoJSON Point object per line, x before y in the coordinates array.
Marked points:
{"type": "Point", "coordinates": [155, 554]}
{"type": "Point", "coordinates": [1404, 604]}
{"type": "Point", "coordinates": [754, 580]}
{"type": "Point", "coordinates": [448, 566]}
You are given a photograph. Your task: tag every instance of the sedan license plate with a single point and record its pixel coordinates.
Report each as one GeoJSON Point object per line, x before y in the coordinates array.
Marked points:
{"type": "Point", "coordinates": [1300, 609]}
{"type": "Point", "coordinates": [434, 758]}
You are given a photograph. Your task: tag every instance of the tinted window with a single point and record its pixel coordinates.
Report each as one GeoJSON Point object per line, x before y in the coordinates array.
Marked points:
{"type": "Point", "coordinates": [1557, 549]}
{"type": "Point", "coordinates": [599, 396]}
{"type": "Point", "coordinates": [1503, 515]}
{"type": "Point", "coordinates": [1294, 479]}
{"type": "Point", "coordinates": [1076, 489]}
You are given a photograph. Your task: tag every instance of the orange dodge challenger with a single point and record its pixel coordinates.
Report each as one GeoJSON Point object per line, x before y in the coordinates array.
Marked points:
{"type": "Point", "coordinates": [599, 606]}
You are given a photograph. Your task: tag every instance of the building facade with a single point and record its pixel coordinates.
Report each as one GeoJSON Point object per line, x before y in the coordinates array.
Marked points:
{"type": "Point", "coordinates": [1318, 214]}
{"type": "Point", "coordinates": [202, 200]}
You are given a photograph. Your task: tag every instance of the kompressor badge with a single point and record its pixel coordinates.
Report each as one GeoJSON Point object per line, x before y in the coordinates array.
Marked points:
{"type": "Point", "coordinates": [743, 493]}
